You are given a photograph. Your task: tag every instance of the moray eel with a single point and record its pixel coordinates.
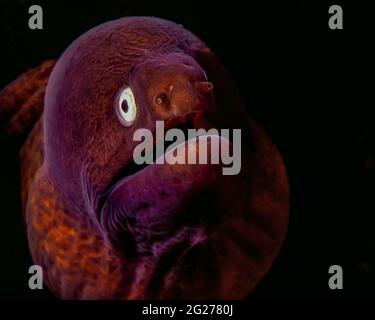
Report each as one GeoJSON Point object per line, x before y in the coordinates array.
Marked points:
{"type": "Point", "coordinates": [102, 227]}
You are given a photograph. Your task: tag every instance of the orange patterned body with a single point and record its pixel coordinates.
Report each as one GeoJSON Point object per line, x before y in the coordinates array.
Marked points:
{"type": "Point", "coordinates": [76, 261]}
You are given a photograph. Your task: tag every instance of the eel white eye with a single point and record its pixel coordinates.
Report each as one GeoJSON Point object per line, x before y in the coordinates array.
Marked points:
{"type": "Point", "coordinates": [126, 107]}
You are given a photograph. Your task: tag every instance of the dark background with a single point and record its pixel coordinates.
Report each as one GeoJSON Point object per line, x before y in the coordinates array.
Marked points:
{"type": "Point", "coordinates": [309, 86]}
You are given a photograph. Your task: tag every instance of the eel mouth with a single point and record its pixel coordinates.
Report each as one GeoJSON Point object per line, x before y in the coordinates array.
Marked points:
{"type": "Point", "coordinates": [193, 120]}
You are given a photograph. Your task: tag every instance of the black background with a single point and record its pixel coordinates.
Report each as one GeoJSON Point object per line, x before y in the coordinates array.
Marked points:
{"type": "Point", "coordinates": [309, 86]}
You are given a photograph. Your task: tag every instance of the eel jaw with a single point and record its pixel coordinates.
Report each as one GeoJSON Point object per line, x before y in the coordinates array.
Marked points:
{"type": "Point", "coordinates": [192, 120]}
{"type": "Point", "coordinates": [159, 194]}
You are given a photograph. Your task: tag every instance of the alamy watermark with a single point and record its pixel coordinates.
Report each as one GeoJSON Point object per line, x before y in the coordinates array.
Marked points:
{"type": "Point", "coordinates": [199, 147]}
{"type": "Point", "coordinates": [36, 280]}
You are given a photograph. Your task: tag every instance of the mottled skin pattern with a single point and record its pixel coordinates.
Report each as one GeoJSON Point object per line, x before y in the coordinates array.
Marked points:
{"type": "Point", "coordinates": [171, 231]}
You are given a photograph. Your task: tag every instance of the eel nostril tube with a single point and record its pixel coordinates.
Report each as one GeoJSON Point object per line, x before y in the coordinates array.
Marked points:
{"type": "Point", "coordinates": [203, 86]}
